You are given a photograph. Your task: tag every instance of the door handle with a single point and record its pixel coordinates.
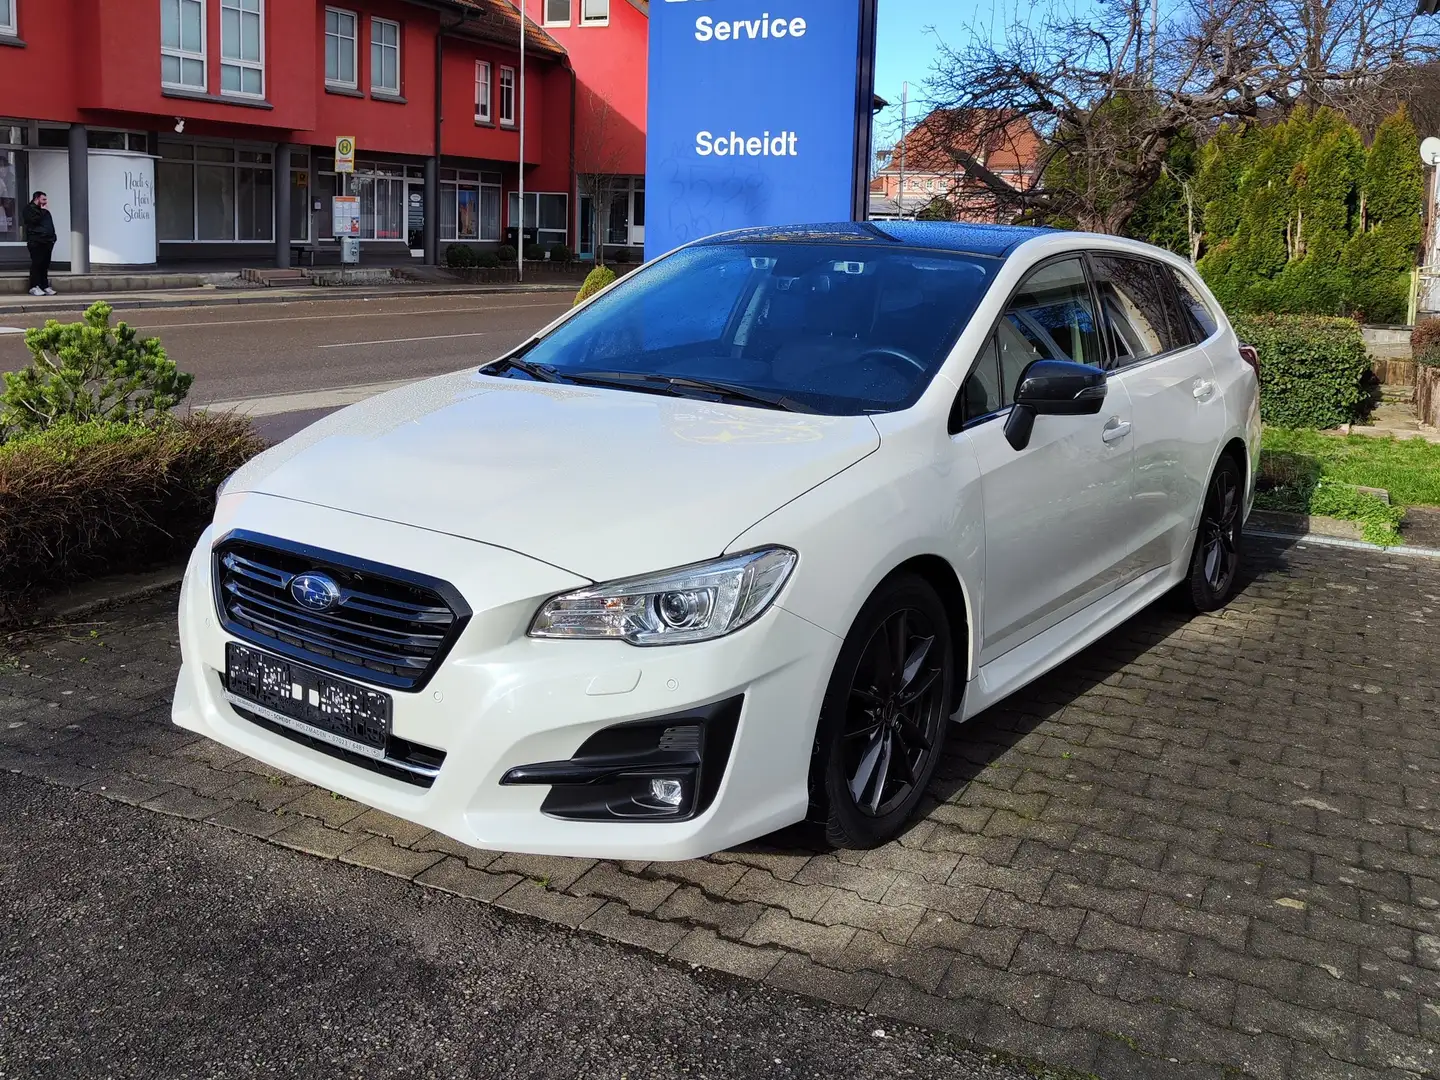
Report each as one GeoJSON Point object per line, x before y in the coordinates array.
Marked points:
{"type": "Point", "coordinates": [1115, 429]}
{"type": "Point", "coordinates": [1203, 389]}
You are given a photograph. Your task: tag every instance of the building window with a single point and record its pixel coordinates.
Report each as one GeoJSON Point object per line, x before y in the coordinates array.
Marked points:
{"type": "Point", "coordinates": [214, 193]}
{"type": "Point", "coordinates": [482, 92]}
{"type": "Point", "coordinates": [182, 43]}
{"type": "Point", "coordinates": [7, 18]}
{"type": "Point", "coordinates": [339, 47]}
{"type": "Point", "coordinates": [469, 205]}
{"type": "Point", "coordinates": [384, 56]}
{"type": "Point", "coordinates": [557, 12]}
{"type": "Point", "coordinates": [13, 196]}
{"type": "Point", "coordinates": [242, 52]}
{"type": "Point", "coordinates": [545, 216]}
{"type": "Point", "coordinates": [507, 96]}
{"type": "Point", "coordinates": [594, 12]}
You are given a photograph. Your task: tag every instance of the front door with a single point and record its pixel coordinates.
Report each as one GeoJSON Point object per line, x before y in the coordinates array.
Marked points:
{"type": "Point", "coordinates": [1178, 412]}
{"type": "Point", "coordinates": [1058, 514]}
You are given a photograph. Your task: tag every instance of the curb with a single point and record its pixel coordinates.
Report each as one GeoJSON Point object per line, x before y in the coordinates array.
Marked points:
{"type": "Point", "coordinates": [339, 292]}
{"type": "Point", "coordinates": [1321, 540]}
{"type": "Point", "coordinates": [90, 597]}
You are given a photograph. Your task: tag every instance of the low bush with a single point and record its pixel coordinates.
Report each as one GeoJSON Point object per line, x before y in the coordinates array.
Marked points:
{"type": "Point", "coordinates": [487, 260]}
{"type": "Point", "coordinates": [596, 280]}
{"type": "Point", "coordinates": [534, 253]}
{"type": "Point", "coordinates": [97, 497]}
{"type": "Point", "coordinates": [459, 257]}
{"type": "Point", "coordinates": [88, 371]}
{"type": "Point", "coordinates": [506, 254]}
{"type": "Point", "coordinates": [559, 253]}
{"type": "Point", "coordinates": [1425, 342]}
{"type": "Point", "coordinates": [1311, 368]}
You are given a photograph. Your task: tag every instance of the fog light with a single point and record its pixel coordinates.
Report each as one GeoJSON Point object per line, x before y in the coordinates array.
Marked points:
{"type": "Point", "coordinates": [667, 792]}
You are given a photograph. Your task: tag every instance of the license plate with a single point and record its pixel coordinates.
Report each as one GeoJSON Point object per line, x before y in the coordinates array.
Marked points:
{"type": "Point", "coordinates": [341, 713]}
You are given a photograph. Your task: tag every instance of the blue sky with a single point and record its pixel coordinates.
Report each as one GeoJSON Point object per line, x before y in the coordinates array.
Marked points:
{"type": "Point", "coordinates": [905, 50]}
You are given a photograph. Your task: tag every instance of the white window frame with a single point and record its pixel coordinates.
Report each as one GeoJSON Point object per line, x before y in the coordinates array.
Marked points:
{"type": "Point", "coordinates": [244, 65]}
{"type": "Point", "coordinates": [514, 93]}
{"type": "Point", "coordinates": [10, 27]}
{"type": "Point", "coordinates": [179, 53]}
{"type": "Point", "coordinates": [587, 19]}
{"type": "Point", "coordinates": [484, 79]}
{"type": "Point", "coordinates": [354, 83]}
{"type": "Point", "coordinates": [569, 13]}
{"type": "Point", "coordinates": [375, 43]}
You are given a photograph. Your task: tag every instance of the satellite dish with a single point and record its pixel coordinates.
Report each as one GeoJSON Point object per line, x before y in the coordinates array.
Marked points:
{"type": "Point", "coordinates": [1430, 151]}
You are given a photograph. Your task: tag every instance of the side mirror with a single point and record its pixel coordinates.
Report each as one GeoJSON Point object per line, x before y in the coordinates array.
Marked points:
{"type": "Point", "coordinates": [1054, 388]}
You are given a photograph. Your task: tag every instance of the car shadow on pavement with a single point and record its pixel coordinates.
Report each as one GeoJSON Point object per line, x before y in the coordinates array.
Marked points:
{"type": "Point", "coordinates": [981, 743]}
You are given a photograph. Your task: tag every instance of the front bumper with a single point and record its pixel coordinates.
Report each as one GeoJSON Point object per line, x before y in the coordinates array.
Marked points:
{"type": "Point", "coordinates": [501, 701]}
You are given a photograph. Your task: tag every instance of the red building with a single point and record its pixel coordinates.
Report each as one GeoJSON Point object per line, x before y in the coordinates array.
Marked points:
{"type": "Point", "coordinates": [205, 130]}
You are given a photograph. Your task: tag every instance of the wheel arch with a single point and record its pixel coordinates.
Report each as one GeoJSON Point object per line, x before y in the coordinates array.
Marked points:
{"type": "Point", "coordinates": [936, 571]}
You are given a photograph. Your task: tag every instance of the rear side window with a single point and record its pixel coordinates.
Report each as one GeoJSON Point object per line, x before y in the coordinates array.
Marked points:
{"type": "Point", "coordinates": [1139, 308]}
{"type": "Point", "coordinates": [1204, 322]}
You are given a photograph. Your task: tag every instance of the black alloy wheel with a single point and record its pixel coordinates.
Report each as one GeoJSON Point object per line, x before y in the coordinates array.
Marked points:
{"type": "Point", "coordinates": [1215, 563]}
{"type": "Point", "coordinates": [885, 716]}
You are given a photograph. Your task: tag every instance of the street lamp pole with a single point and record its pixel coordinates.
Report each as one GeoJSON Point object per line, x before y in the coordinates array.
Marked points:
{"type": "Point", "coordinates": [520, 233]}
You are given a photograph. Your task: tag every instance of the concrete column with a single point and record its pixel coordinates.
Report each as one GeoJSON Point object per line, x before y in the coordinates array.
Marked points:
{"type": "Point", "coordinates": [282, 206]}
{"type": "Point", "coordinates": [432, 211]}
{"type": "Point", "coordinates": [79, 200]}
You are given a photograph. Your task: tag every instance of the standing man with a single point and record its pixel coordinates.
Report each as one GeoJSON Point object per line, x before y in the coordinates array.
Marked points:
{"type": "Point", "coordinates": [40, 238]}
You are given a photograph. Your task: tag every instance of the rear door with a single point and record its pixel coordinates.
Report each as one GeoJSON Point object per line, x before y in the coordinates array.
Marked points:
{"type": "Point", "coordinates": [1172, 388]}
{"type": "Point", "coordinates": [1057, 513]}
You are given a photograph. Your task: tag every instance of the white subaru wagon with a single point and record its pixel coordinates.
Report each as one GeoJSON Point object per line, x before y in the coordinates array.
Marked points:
{"type": "Point", "coordinates": [729, 546]}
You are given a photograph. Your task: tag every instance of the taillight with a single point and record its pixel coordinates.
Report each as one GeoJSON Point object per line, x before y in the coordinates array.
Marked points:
{"type": "Point", "coordinates": [1251, 356]}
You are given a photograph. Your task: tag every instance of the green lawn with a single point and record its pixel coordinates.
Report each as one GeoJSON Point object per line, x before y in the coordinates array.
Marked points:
{"type": "Point", "coordinates": [1409, 469]}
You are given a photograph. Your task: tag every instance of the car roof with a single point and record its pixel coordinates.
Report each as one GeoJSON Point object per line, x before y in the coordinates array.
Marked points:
{"type": "Point", "coordinates": [992, 240]}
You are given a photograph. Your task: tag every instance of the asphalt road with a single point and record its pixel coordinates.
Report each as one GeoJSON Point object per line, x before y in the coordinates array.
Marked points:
{"type": "Point", "coordinates": [134, 945]}
{"type": "Point", "coordinates": [242, 352]}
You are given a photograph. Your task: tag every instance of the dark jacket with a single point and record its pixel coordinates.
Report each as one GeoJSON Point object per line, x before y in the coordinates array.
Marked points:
{"type": "Point", "coordinates": [39, 225]}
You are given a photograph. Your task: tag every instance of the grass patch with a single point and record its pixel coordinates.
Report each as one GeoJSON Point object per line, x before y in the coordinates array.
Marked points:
{"type": "Point", "coordinates": [1409, 469]}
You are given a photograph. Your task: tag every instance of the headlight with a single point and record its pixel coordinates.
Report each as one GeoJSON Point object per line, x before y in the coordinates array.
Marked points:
{"type": "Point", "coordinates": [694, 603]}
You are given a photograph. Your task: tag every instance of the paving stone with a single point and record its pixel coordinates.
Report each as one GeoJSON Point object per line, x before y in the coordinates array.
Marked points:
{"type": "Point", "coordinates": [1028, 996]}
{"type": "Point", "coordinates": [529, 898]}
{"type": "Point", "coordinates": [821, 943]}
{"type": "Point", "coordinates": [550, 871]}
{"type": "Point", "coordinates": [803, 976]}
{"type": "Point", "coordinates": [705, 949]}
{"type": "Point", "coordinates": [715, 878]}
{"type": "Point", "coordinates": [126, 789]}
{"type": "Point", "coordinates": [828, 870]}
{"type": "Point", "coordinates": [615, 921]}
{"type": "Point", "coordinates": [475, 858]}
{"type": "Point", "coordinates": [933, 866]}
{"type": "Point", "coordinates": [961, 902]}
{"type": "Point", "coordinates": [893, 922]}
{"type": "Point", "coordinates": [993, 945]}
{"type": "Point", "coordinates": [181, 803]}
{"type": "Point", "coordinates": [637, 893]}
{"type": "Point", "coordinates": [268, 793]}
{"type": "Point", "coordinates": [404, 833]}
{"type": "Point", "coordinates": [783, 865]}
{"type": "Point", "coordinates": [868, 951]}
{"type": "Point", "coordinates": [454, 875]}
{"type": "Point", "coordinates": [690, 904]}
{"type": "Point", "coordinates": [314, 838]}
{"type": "Point", "coordinates": [1143, 1026]}
{"type": "Point", "coordinates": [380, 853]}
{"type": "Point", "coordinates": [331, 809]}
{"type": "Point", "coordinates": [801, 901]}
{"type": "Point", "coordinates": [242, 817]}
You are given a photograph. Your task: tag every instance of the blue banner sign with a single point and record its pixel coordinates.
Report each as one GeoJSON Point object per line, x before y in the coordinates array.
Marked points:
{"type": "Point", "coordinates": [759, 114]}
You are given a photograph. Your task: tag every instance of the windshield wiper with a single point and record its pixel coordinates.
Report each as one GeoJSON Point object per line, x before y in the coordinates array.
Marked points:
{"type": "Point", "coordinates": [538, 372]}
{"type": "Point", "coordinates": [674, 384]}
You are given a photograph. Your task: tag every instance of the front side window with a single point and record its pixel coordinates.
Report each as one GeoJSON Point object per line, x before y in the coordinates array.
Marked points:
{"type": "Point", "coordinates": [1136, 301]}
{"type": "Point", "coordinates": [242, 48]}
{"type": "Point", "coordinates": [7, 18]}
{"type": "Point", "coordinates": [507, 96]}
{"type": "Point", "coordinates": [182, 43]}
{"type": "Point", "coordinates": [384, 56]}
{"type": "Point", "coordinates": [831, 327]}
{"type": "Point", "coordinates": [340, 47]}
{"type": "Point", "coordinates": [594, 11]}
{"type": "Point", "coordinates": [482, 92]}
{"type": "Point", "coordinates": [557, 12]}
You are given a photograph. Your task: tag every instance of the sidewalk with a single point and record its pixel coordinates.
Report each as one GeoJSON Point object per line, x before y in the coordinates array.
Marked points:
{"type": "Point", "coordinates": [207, 296]}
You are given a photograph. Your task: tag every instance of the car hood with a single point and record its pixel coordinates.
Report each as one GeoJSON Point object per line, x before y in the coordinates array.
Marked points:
{"type": "Point", "coordinates": [603, 483]}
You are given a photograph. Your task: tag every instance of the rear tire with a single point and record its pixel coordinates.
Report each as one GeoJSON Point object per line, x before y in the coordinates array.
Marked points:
{"type": "Point", "coordinates": [885, 715]}
{"type": "Point", "coordinates": [1215, 559]}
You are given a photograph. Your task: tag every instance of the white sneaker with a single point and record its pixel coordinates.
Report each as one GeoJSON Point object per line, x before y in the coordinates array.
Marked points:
{"type": "Point", "coordinates": [49, 292]}
{"type": "Point", "coordinates": [37, 291]}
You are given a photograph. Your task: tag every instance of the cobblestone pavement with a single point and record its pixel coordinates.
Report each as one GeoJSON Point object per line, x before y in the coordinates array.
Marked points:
{"type": "Point", "coordinates": [1203, 848]}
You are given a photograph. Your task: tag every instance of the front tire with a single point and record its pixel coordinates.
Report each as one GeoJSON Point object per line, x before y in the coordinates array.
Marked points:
{"type": "Point", "coordinates": [885, 714]}
{"type": "Point", "coordinates": [1215, 560]}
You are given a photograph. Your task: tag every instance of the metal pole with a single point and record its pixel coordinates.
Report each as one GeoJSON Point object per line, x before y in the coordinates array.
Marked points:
{"type": "Point", "coordinates": [520, 234]}
{"type": "Point", "coordinates": [904, 114]}
{"type": "Point", "coordinates": [79, 146]}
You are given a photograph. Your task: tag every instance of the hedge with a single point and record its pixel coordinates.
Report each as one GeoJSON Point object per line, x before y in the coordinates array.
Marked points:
{"type": "Point", "coordinates": [1425, 342]}
{"type": "Point", "coordinates": [1311, 368]}
{"type": "Point", "coordinates": [85, 499]}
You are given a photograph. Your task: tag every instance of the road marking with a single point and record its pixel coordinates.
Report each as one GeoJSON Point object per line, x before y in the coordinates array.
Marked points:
{"type": "Point", "coordinates": [332, 397]}
{"type": "Point", "coordinates": [12, 330]}
{"type": "Point", "coordinates": [353, 315]}
{"type": "Point", "coordinates": [402, 340]}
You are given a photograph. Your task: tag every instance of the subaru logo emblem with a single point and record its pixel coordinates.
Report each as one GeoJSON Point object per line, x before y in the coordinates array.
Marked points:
{"type": "Point", "coordinates": [315, 591]}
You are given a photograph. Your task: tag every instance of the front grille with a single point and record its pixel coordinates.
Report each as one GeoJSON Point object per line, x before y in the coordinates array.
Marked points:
{"type": "Point", "coordinates": [389, 627]}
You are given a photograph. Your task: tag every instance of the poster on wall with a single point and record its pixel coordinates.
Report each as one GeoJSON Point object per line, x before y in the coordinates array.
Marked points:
{"type": "Point", "coordinates": [467, 213]}
{"type": "Point", "coordinates": [345, 215]}
{"type": "Point", "coordinates": [787, 142]}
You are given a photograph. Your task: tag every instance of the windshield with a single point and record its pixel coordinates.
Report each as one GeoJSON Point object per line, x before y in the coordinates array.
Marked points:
{"type": "Point", "coordinates": [833, 328]}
